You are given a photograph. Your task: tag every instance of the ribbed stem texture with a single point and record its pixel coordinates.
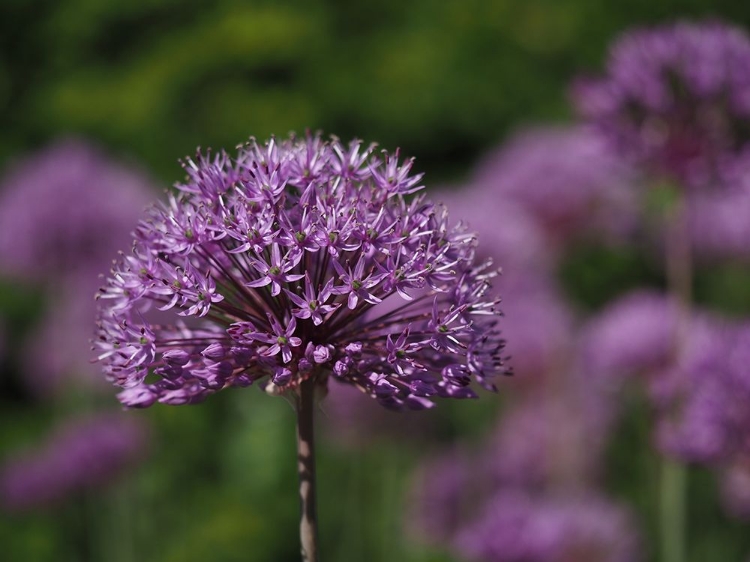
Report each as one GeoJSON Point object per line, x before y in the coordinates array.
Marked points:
{"type": "Point", "coordinates": [308, 527]}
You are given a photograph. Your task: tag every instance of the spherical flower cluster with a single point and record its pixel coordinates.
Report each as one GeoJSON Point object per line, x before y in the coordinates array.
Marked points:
{"type": "Point", "coordinates": [295, 260]}
{"type": "Point", "coordinates": [676, 98]}
{"type": "Point", "coordinates": [82, 453]}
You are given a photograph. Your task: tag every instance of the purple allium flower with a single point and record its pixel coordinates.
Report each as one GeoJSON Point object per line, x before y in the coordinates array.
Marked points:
{"type": "Point", "coordinates": [82, 453]}
{"type": "Point", "coordinates": [567, 179]}
{"type": "Point", "coordinates": [516, 527]}
{"type": "Point", "coordinates": [676, 98]}
{"type": "Point", "coordinates": [66, 208]}
{"type": "Point", "coordinates": [392, 283]}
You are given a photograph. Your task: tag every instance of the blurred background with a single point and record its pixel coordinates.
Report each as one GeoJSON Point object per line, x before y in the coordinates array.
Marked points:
{"type": "Point", "coordinates": [99, 100]}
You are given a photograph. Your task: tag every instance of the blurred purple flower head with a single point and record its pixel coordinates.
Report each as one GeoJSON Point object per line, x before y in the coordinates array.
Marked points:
{"type": "Point", "coordinates": [516, 527]}
{"type": "Point", "coordinates": [445, 493]}
{"type": "Point", "coordinates": [81, 454]}
{"type": "Point", "coordinates": [567, 179]}
{"type": "Point", "coordinates": [708, 420]}
{"type": "Point", "coordinates": [632, 335]}
{"type": "Point", "coordinates": [64, 212]}
{"type": "Point", "coordinates": [539, 327]}
{"type": "Point", "coordinates": [548, 443]}
{"type": "Point", "coordinates": [509, 234]}
{"type": "Point", "coordinates": [676, 98]}
{"type": "Point", "coordinates": [720, 223]}
{"type": "Point", "coordinates": [66, 208]}
{"type": "Point", "coordinates": [64, 333]}
{"type": "Point", "coordinates": [274, 265]}
{"type": "Point", "coordinates": [698, 387]}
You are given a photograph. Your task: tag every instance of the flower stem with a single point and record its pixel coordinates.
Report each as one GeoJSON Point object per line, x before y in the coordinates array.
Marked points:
{"type": "Point", "coordinates": [308, 527]}
{"type": "Point", "coordinates": [679, 273]}
{"type": "Point", "coordinates": [672, 498]}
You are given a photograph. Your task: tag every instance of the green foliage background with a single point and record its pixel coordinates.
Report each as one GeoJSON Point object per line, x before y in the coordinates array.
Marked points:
{"type": "Point", "coordinates": [443, 80]}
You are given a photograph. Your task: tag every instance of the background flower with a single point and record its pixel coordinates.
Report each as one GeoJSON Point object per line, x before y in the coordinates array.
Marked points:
{"type": "Point", "coordinates": [675, 97]}
{"type": "Point", "coordinates": [82, 453]}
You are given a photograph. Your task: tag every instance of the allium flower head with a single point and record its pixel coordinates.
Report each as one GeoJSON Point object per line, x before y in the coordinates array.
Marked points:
{"type": "Point", "coordinates": [675, 97]}
{"type": "Point", "coordinates": [299, 259]}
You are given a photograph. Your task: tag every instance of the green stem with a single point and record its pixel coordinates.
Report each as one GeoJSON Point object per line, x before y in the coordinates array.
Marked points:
{"type": "Point", "coordinates": [308, 527]}
{"type": "Point", "coordinates": [679, 273]}
{"type": "Point", "coordinates": [673, 510]}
